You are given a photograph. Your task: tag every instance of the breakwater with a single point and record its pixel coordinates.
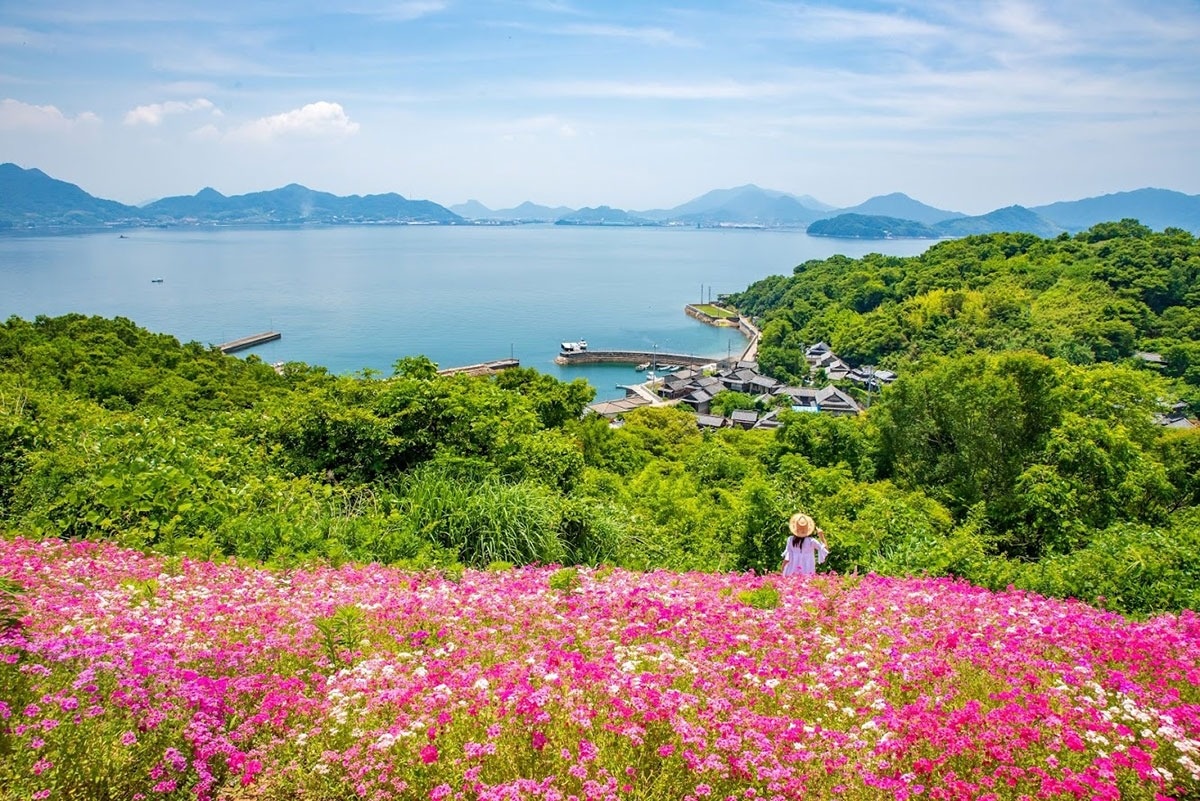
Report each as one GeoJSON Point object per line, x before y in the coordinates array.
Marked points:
{"type": "Point", "coordinates": [693, 311]}
{"type": "Point", "coordinates": [742, 323]}
{"type": "Point", "coordinates": [234, 345]}
{"type": "Point", "coordinates": [483, 368]}
{"type": "Point", "coordinates": [630, 357]}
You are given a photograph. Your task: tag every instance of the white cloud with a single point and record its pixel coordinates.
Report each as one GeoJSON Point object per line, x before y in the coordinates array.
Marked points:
{"type": "Point", "coordinates": [205, 133]}
{"type": "Point", "coordinates": [393, 11]}
{"type": "Point", "coordinates": [547, 123]}
{"type": "Point", "coordinates": [652, 36]}
{"type": "Point", "coordinates": [641, 90]}
{"type": "Point", "coordinates": [15, 115]}
{"type": "Point", "coordinates": [410, 10]}
{"type": "Point", "coordinates": [154, 113]}
{"type": "Point", "coordinates": [320, 119]}
{"type": "Point", "coordinates": [844, 24]}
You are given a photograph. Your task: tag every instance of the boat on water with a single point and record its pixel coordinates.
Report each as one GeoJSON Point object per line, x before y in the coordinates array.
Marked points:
{"type": "Point", "coordinates": [156, 280]}
{"type": "Point", "coordinates": [574, 347]}
{"type": "Point", "coordinates": [643, 367]}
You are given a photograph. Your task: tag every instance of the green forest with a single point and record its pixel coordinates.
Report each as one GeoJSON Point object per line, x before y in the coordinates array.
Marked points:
{"type": "Point", "coordinates": [1021, 445]}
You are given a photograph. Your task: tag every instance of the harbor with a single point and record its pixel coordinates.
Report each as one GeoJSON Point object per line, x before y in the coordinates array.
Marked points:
{"type": "Point", "coordinates": [573, 353]}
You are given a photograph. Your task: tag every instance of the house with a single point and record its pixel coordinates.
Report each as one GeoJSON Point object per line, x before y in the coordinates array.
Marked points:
{"type": "Point", "coordinates": [699, 399]}
{"type": "Point", "coordinates": [871, 378]}
{"type": "Point", "coordinates": [739, 380]}
{"type": "Point", "coordinates": [761, 384]}
{"type": "Point", "coordinates": [710, 421]}
{"type": "Point", "coordinates": [837, 371]}
{"type": "Point", "coordinates": [675, 386]}
{"type": "Point", "coordinates": [817, 351]}
{"type": "Point", "coordinates": [1176, 417]}
{"type": "Point", "coordinates": [744, 418]}
{"type": "Point", "coordinates": [1153, 359]}
{"type": "Point", "coordinates": [616, 407]}
{"type": "Point", "coordinates": [687, 374]}
{"type": "Point", "coordinates": [768, 419]}
{"type": "Point", "coordinates": [832, 400]}
{"type": "Point", "coordinates": [801, 399]}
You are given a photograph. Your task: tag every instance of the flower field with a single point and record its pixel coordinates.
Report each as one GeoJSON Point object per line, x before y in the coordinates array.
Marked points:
{"type": "Point", "coordinates": [128, 676]}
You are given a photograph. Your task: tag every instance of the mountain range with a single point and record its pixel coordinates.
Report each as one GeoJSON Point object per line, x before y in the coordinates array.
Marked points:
{"type": "Point", "coordinates": [30, 199]}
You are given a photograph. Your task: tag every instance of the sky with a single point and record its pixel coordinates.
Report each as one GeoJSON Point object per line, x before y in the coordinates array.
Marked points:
{"type": "Point", "coordinates": [968, 105]}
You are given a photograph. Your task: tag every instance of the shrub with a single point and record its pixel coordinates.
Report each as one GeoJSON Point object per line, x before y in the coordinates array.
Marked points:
{"type": "Point", "coordinates": [764, 597]}
{"type": "Point", "coordinates": [564, 579]}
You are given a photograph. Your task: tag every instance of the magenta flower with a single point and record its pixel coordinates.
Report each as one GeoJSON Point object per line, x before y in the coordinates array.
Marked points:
{"type": "Point", "coordinates": [648, 685]}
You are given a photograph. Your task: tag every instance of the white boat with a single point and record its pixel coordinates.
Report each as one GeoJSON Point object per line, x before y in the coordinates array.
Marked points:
{"type": "Point", "coordinates": [573, 347]}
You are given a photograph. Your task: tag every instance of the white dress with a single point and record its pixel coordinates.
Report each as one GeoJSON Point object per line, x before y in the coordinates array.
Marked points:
{"type": "Point", "coordinates": [802, 559]}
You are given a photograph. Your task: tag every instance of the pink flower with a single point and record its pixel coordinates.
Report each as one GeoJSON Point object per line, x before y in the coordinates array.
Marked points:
{"type": "Point", "coordinates": [429, 754]}
{"type": "Point", "coordinates": [41, 766]}
{"type": "Point", "coordinates": [128, 738]}
{"type": "Point", "coordinates": [440, 792]}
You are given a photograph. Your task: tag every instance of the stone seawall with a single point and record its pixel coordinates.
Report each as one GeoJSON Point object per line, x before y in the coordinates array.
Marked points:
{"type": "Point", "coordinates": [630, 357]}
{"type": "Point", "coordinates": [705, 317]}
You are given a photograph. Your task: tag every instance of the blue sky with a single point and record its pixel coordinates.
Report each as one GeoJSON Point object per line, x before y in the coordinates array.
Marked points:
{"type": "Point", "coordinates": [967, 105]}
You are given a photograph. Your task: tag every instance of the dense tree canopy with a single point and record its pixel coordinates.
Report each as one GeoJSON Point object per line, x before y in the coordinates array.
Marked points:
{"type": "Point", "coordinates": [1019, 445]}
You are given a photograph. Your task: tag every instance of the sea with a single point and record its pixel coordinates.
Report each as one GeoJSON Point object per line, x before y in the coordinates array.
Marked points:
{"type": "Point", "coordinates": [355, 299]}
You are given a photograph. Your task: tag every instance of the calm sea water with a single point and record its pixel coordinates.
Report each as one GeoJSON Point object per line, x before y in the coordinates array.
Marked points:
{"type": "Point", "coordinates": [351, 298]}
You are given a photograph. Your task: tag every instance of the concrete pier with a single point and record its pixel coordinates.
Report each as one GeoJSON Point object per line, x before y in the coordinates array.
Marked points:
{"type": "Point", "coordinates": [483, 368]}
{"type": "Point", "coordinates": [235, 345]}
{"type": "Point", "coordinates": [630, 357]}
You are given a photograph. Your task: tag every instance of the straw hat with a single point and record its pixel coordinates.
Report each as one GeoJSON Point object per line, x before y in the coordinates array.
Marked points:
{"type": "Point", "coordinates": [801, 524]}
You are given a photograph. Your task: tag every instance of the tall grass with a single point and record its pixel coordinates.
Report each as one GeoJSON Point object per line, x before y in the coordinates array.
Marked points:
{"type": "Point", "coordinates": [484, 519]}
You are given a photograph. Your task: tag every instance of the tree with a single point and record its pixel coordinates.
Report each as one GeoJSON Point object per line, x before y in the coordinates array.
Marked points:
{"type": "Point", "coordinates": [418, 368]}
{"type": "Point", "coordinates": [724, 403]}
{"type": "Point", "coordinates": [555, 402]}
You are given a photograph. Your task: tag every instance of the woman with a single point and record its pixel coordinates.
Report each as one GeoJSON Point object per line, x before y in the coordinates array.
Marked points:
{"type": "Point", "coordinates": [803, 552]}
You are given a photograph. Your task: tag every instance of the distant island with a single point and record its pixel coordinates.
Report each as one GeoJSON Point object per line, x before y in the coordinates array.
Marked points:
{"type": "Point", "coordinates": [1014, 219]}
{"type": "Point", "coordinates": [31, 200]}
{"type": "Point", "coordinates": [868, 226]}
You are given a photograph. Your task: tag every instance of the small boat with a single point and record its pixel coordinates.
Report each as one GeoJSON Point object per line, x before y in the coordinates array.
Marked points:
{"type": "Point", "coordinates": [574, 347]}
{"type": "Point", "coordinates": [156, 280]}
{"type": "Point", "coordinates": [643, 367]}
